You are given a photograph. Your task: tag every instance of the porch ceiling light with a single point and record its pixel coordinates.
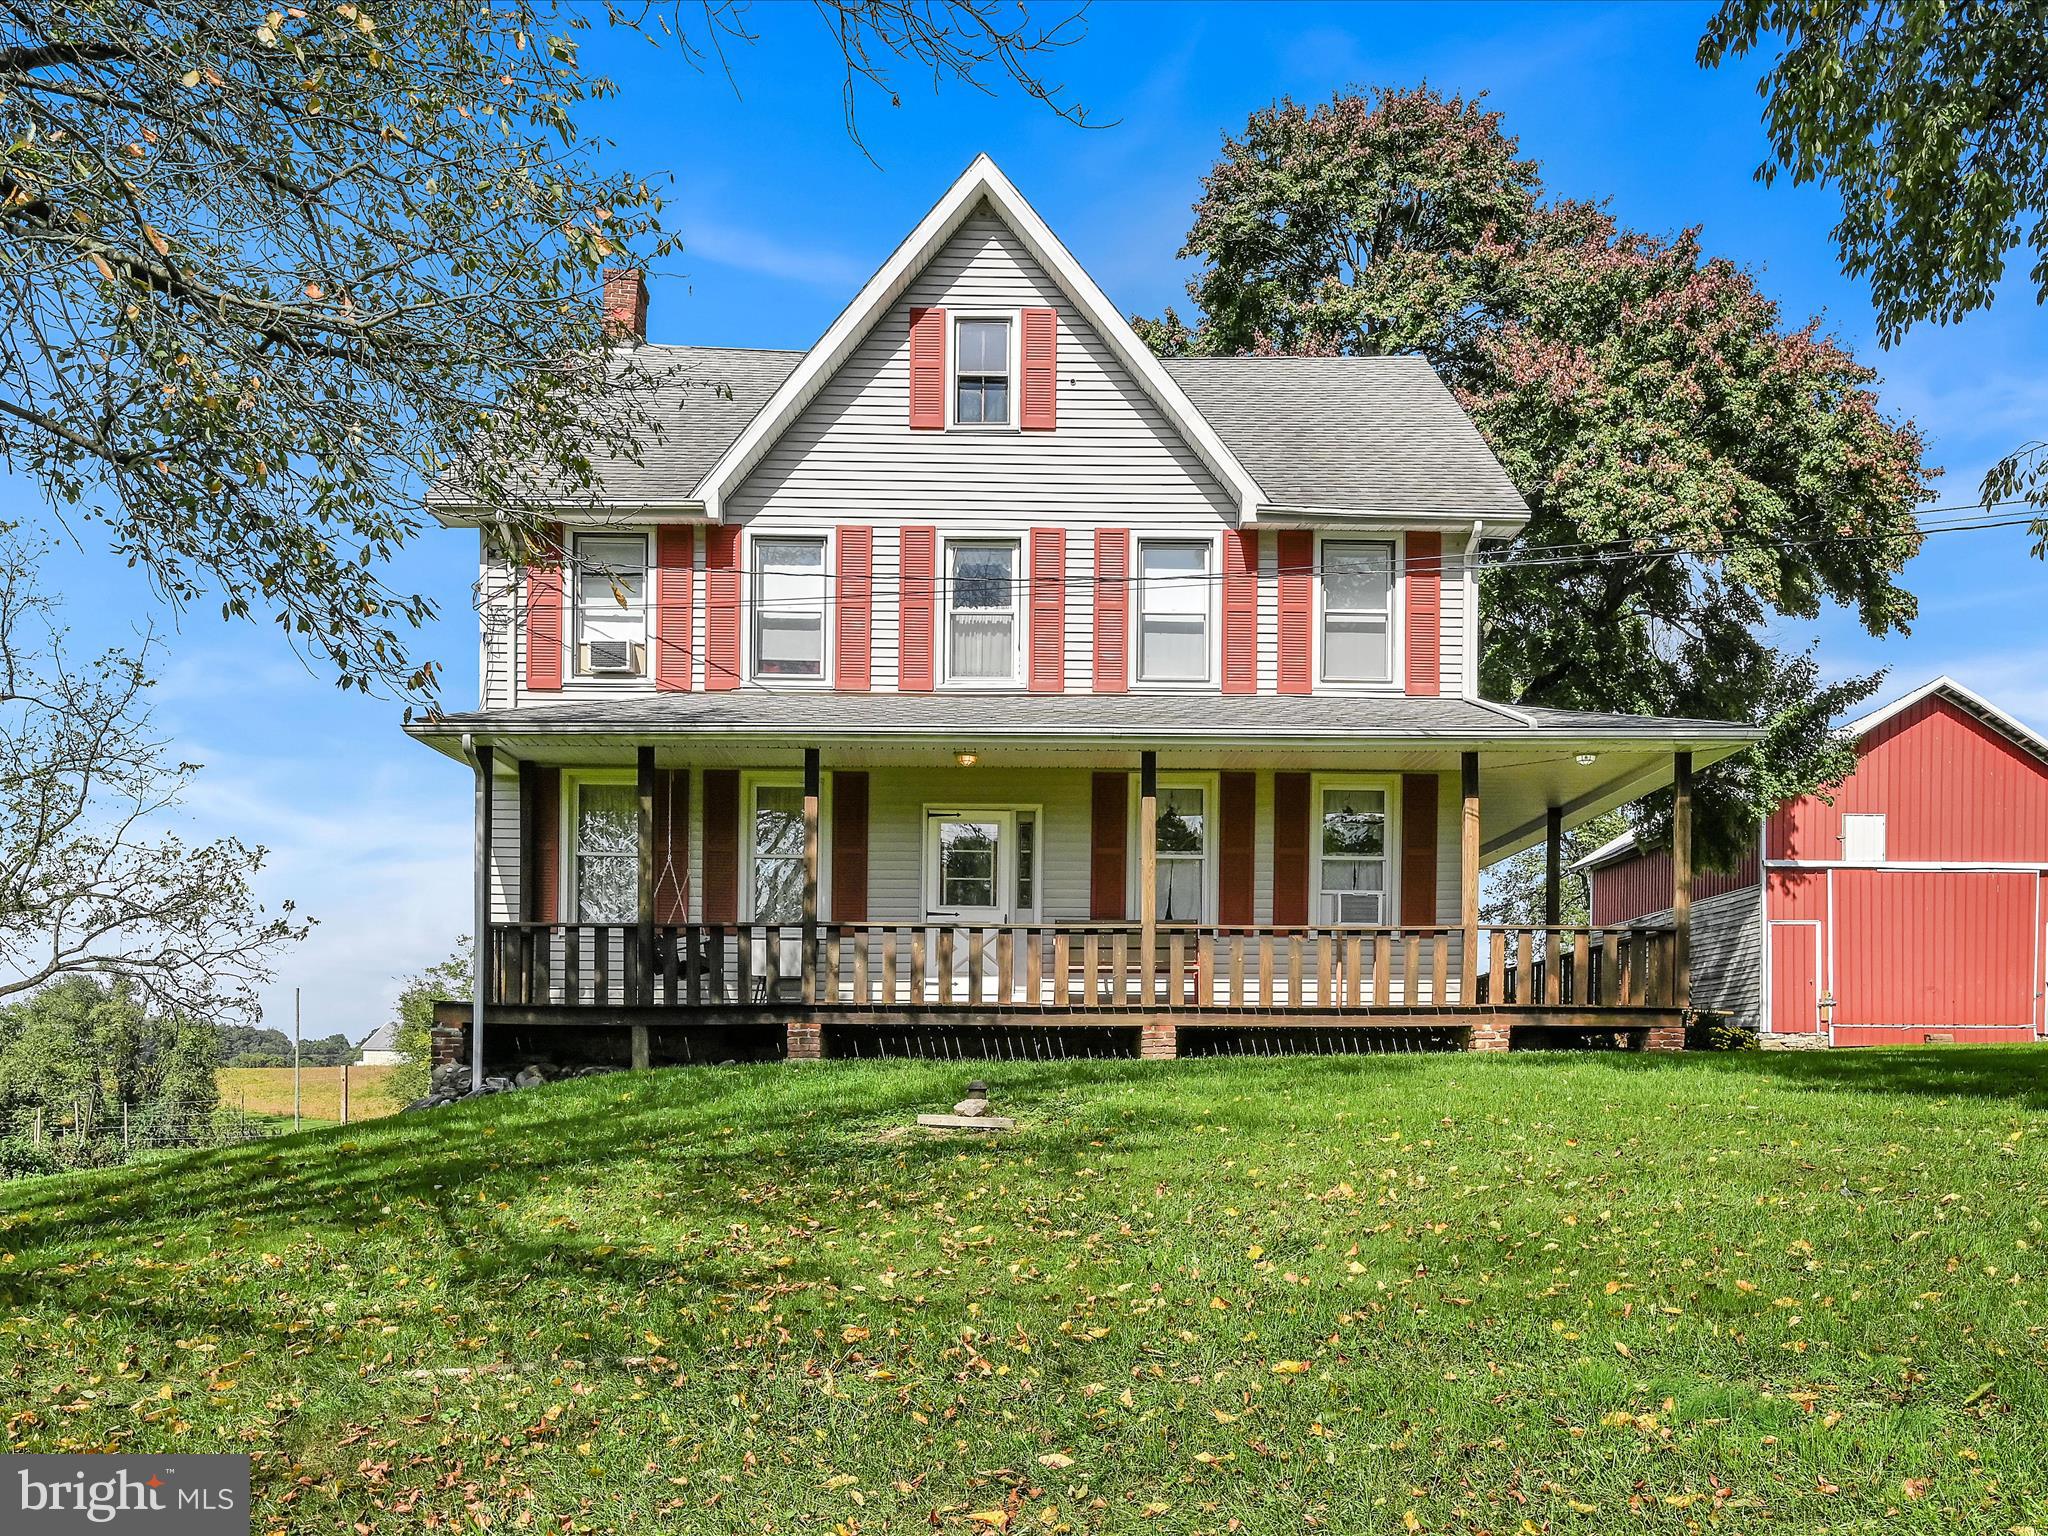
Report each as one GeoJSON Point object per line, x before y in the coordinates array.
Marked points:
{"type": "Point", "coordinates": [966, 759]}
{"type": "Point", "coordinates": [1586, 759]}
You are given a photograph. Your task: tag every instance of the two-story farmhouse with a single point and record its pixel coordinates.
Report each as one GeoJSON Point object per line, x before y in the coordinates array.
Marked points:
{"type": "Point", "coordinates": [977, 672]}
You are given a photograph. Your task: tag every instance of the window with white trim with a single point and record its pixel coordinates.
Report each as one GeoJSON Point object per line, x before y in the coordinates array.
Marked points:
{"type": "Point", "coordinates": [789, 608]}
{"type": "Point", "coordinates": [1352, 865]}
{"type": "Point", "coordinates": [1173, 611]}
{"type": "Point", "coordinates": [1358, 604]}
{"type": "Point", "coordinates": [981, 612]}
{"type": "Point", "coordinates": [1181, 853]}
{"type": "Point", "coordinates": [606, 865]}
{"type": "Point", "coordinates": [981, 372]}
{"type": "Point", "coordinates": [611, 604]}
{"type": "Point", "coordinates": [778, 853]}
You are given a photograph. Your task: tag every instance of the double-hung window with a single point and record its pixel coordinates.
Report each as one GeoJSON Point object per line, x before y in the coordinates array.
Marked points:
{"type": "Point", "coordinates": [607, 853]}
{"type": "Point", "coordinates": [611, 604]}
{"type": "Point", "coordinates": [1181, 845]}
{"type": "Point", "coordinates": [1358, 598]}
{"type": "Point", "coordinates": [789, 608]}
{"type": "Point", "coordinates": [981, 373]}
{"type": "Point", "coordinates": [778, 853]}
{"type": "Point", "coordinates": [1173, 611]}
{"type": "Point", "coordinates": [1353, 865]}
{"type": "Point", "coordinates": [981, 612]}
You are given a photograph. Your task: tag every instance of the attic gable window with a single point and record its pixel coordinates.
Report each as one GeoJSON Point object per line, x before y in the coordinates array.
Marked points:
{"type": "Point", "coordinates": [981, 373]}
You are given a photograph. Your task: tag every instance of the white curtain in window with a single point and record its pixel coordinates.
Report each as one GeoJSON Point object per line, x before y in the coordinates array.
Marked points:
{"type": "Point", "coordinates": [1173, 612]}
{"type": "Point", "coordinates": [789, 603]}
{"type": "Point", "coordinates": [1182, 842]}
{"type": "Point", "coordinates": [982, 611]}
{"type": "Point", "coordinates": [1354, 848]}
{"type": "Point", "coordinates": [611, 587]}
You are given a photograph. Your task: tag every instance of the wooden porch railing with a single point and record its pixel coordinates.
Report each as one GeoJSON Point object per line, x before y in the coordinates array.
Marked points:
{"type": "Point", "coordinates": [1073, 967]}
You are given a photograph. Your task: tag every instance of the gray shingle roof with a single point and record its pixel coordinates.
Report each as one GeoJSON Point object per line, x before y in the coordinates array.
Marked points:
{"type": "Point", "coordinates": [1357, 434]}
{"type": "Point", "coordinates": [1136, 715]}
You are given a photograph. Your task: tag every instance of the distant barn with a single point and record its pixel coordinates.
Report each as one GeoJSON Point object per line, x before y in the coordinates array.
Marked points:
{"type": "Point", "coordinates": [381, 1048]}
{"type": "Point", "coordinates": [1909, 909]}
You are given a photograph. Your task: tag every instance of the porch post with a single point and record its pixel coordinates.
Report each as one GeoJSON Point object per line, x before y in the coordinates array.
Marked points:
{"type": "Point", "coordinates": [1484, 1036]}
{"type": "Point", "coordinates": [481, 945]}
{"type": "Point", "coordinates": [1681, 879]}
{"type": "Point", "coordinates": [643, 994]}
{"type": "Point", "coordinates": [812, 778]}
{"type": "Point", "coordinates": [1553, 864]}
{"type": "Point", "coordinates": [1148, 871]}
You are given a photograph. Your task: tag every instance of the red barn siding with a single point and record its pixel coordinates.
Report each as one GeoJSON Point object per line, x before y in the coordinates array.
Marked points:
{"type": "Point", "coordinates": [1950, 789]}
{"type": "Point", "coordinates": [1933, 947]}
{"type": "Point", "coordinates": [1636, 887]}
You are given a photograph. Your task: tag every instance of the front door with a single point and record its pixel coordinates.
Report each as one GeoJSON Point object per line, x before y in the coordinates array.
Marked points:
{"type": "Point", "coordinates": [968, 866]}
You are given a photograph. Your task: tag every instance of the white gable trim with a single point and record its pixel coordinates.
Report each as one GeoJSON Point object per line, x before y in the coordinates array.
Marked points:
{"type": "Point", "coordinates": [1968, 698]}
{"type": "Point", "coordinates": [980, 180]}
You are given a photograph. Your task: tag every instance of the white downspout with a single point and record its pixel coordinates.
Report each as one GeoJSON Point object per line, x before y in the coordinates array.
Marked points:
{"type": "Point", "coordinates": [481, 925]}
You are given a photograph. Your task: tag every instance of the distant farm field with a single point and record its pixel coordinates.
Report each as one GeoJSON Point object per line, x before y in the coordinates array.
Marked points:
{"type": "Point", "coordinates": [268, 1091]}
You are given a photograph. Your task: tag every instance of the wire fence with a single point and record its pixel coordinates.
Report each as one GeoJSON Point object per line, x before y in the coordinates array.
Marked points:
{"type": "Point", "coordinates": [53, 1138]}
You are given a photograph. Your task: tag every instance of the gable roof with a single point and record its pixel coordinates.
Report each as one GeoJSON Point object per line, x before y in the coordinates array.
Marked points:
{"type": "Point", "coordinates": [980, 182]}
{"type": "Point", "coordinates": [1351, 434]}
{"type": "Point", "coordinates": [1966, 699]}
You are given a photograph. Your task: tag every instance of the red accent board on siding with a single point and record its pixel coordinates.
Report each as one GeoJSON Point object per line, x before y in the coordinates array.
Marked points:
{"type": "Point", "coordinates": [671, 845]}
{"type": "Point", "coordinates": [721, 845]}
{"type": "Point", "coordinates": [721, 610]}
{"type": "Point", "coordinates": [918, 573]}
{"type": "Point", "coordinates": [1109, 829]}
{"type": "Point", "coordinates": [1048, 610]}
{"type": "Point", "coordinates": [928, 369]}
{"type": "Point", "coordinates": [1037, 410]}
{"type": "Point", "coordinates": [544, 622]}
{"type": "Point", "coordinates": [854, 610]}
{"type": "Point", "coordinates": [1418, 849]}
{"type": "Point", "coordinates": [1112, 609]}
{"type": "Point", "coordinates": [1949, 787]}
{"type": "Point", "coordinates": [849, 847]}
{"type": "Point", "coordinates": [1638, 886]}
{"type": "Point", "coordinates": [1290, 848]}
{"type": "Point", "coordinates": [674, 551]}
{"type": "Point", "coordinates": [1297, 557]}
{"type": "Point", "coordinates": [1238, 818]}
{"type": "Point", "coordinates": [1423, 624]}
{"type": "Point", "coordinates": [1241, 610]}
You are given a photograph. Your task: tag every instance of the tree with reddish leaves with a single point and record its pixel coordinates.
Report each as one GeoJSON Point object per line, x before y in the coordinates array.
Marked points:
{"type": "Point", "coordinates": [1697, 469]}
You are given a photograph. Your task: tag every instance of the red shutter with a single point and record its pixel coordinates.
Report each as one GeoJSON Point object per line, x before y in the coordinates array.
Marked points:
{"type": "Point", "coordinates": [918, 571]}
{"type": "Point", "coordinates": [721, 845]}
{"type": "Point", "coordinates": [1424, 619]}
{"type": "Point", "coordinates": [674, 549]}
{"type": "Point", "coordinates": [672, 845]}
{"type": "Point", "coordinates": [855, 608]}
{"type": "Point", "coordinates": [1297, 610]}
{"type": "Point", "coordinates": [544, 845]}
{"type": "Point", "coordinates": [1238, 816]}
{"type": "Point", "coordinates": [1048, 610]}
{"type": "Point", "coordinates": [928, 369]}
{"type": "Point", "coordinates": [1241, 611]}
{"type": "Point", "coordinates": [849, 847]}
{"type": "Point", "coordinates": [1290, 849]}
{"type": "Point", "coordinates": [1418, 850]}
{"type": "Point", "coordinates": [1112, 609]}
{"type": "Point", "coordinates": [1109, 835]}
{"type": "Point", "coordinates": [722, 610]}
{"type": "Point", "coordinates": [1041, 371]}
{"type": "Point", "coordinates": [544, 621]}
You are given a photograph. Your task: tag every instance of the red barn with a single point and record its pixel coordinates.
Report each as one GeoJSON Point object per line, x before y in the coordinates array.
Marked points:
{"type": "Point", "coordinates": [1906, 907]}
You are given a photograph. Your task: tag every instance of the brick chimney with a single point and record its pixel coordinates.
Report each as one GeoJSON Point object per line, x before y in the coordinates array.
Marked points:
{"type": "Point", "coordinates": [625, 305]}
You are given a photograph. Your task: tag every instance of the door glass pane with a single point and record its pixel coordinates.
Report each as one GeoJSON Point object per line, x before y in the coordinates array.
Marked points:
{"type": "Point", "coordinates": [778, 853]}
{"type": "Point", "coordinates": [607, 853]}
{"type": "Point", "coordinates": [1027, 856]}
{"type": "Point", "coordinates": [967, 863]}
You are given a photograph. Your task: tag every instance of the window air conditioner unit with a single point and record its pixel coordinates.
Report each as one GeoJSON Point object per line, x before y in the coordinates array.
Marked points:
{"type": "Point", "coordinates": [611, 657]}
{"type": "Point", "coordinates": [1358, 906]}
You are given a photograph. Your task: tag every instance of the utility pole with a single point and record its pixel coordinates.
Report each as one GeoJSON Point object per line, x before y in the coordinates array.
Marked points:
{"type": "Point", "coordinates": [344, 1091]}
{"type": "Point", "coordinates": [295, 1058]}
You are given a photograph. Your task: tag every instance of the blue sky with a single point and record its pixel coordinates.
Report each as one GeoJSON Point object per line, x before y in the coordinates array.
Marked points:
{"type": "Point", "coordinates": [782, 219]}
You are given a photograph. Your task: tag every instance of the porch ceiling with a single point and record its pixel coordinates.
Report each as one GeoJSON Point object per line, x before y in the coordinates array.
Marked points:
{"type": "Point", "coordinates": [1530, 759]}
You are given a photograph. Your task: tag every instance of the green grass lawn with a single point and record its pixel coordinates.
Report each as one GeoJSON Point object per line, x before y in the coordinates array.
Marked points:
{"type": "Point", "coordinates": [1518, 1294]}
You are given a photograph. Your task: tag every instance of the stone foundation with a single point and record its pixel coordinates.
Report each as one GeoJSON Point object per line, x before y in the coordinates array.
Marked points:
{"type": "Point", "coordinates": [1817, 1041]}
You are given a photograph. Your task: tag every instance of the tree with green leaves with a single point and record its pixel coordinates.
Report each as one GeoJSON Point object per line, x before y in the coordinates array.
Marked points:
{"type": "Point", "coordinates": [1930, 119]}
{"type": "Point", "coordinates": [1695, 467]}
{"type": "Point", "coordinates": [94, 1045]}
{"type": "Point", "coordinates": [265, 274]}
{"type": "Point", "coordinates": [417, 994]}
